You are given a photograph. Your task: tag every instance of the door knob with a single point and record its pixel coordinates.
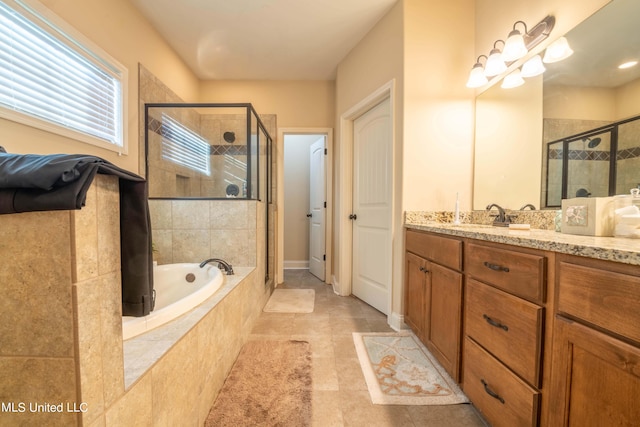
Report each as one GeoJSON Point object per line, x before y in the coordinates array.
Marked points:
{"type": "Point", "coordinates": [353, 216]}
{"type": "Point", "coordinates": [309, 215]}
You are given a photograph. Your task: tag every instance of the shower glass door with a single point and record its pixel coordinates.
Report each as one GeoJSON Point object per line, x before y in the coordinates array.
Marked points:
{"type": "Point", "coordinates": [589, 166]}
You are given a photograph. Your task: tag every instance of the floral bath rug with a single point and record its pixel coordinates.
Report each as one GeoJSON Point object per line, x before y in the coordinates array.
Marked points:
{"type": "Point", "coordinates": [399, 370]}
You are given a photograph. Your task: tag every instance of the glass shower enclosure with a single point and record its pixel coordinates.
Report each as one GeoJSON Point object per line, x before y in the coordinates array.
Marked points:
{"type": "Point", "coordinates": [206, 151]}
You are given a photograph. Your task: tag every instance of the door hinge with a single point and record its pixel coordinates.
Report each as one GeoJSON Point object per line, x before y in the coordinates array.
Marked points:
{"type": "Point", "coordinates": [325, 204]}
{"type": "Point", "coordinates": [325, 151]}
{"type": "Point", "coordinates": [324, 257]}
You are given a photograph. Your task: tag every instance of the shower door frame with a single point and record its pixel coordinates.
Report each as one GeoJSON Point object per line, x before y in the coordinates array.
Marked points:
{"type": "Point", "coordinates": [613, 151]}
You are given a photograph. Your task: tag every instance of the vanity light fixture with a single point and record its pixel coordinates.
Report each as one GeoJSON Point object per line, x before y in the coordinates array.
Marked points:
{"type": "Point", "coordinates": [514, 47]}
{"type": "Point", "coordinates": [533, 67]}
{"type": "Point", "coordinates": [557, 51]}
{"type": "Point", "coordinates": [627, 64]}
{"type": "Point", "coordinates": [495, 64]}
{"type": "Point", "coordinates": [476, 76]}
{"type": "Point", "coordinates": [514, 79]}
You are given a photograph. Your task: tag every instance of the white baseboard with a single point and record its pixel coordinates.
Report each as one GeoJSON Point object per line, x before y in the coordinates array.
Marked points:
{"type": "Point", "coordinates": [296, 265]}
{"type": "Point", "coordinates": [396, 321]}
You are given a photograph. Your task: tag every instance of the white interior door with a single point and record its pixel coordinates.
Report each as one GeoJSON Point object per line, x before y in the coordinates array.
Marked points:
{"type": "Point", "coordinates": [317, 209]}
{"type": "Point", "coordinates": [372, 206]}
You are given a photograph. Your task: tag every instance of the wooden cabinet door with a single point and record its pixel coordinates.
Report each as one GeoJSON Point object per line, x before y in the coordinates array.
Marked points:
{"type": "Point", "coordinates": [415, 284]}
{"type": "Point", "coordinates": [444, 316]}
{"type": "Point", "coordinates": [595, 377]}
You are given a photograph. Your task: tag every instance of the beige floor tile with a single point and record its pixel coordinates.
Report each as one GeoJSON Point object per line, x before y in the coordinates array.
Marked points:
{"type": "Point", "coordinates": [350, 375]}
{"type": "Point", "coordinates": [340, 395]}
{"type": "Point", "coordinates": [326, 409]}
{"type": "Point", "coordinates": [358, 411]}
{"type": "Point", "coordinates": [325, 376]}
{"type": "Point", "coordinates": [343, 346]}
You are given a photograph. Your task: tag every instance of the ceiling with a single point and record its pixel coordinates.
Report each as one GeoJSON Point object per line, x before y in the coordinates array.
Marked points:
{"type": "Point", "coordinates": [263, 39]}
{"type": "Point", "coordinates": [601, 43]}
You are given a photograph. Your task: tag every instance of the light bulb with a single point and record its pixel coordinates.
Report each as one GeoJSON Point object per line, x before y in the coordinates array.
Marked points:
{"type": "Point", "coordinates": [514, 47]}
{"type": "Point", "coordinates": [477, 77]}
{"type": "Point", "coordinates": [533, 67]}
{"type": "Point", "coordinates": [512, 80]}
{"type": "Point", "coordinates": [557, 51]}
{"type": "Point", "coordinates": [495, 65]}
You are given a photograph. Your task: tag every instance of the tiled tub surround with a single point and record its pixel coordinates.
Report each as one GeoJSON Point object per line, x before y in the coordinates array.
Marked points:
{"type": "Point", "coordinates": [195, 230]}
{"type": "Point", "coordinates": [61, 326]}
{"type": "Point", "coordinates": [606, 248]}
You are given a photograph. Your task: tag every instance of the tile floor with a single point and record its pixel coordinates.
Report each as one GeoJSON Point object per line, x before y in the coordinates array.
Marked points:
{"type": "Point", "coordinates": [340, 396]}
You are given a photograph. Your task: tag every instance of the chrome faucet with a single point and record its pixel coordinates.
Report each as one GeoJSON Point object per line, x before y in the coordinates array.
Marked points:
{"type": "Point", "coordinates": [222, 265]}
{"type": "Point", "coordinates": [528, 205]}
{"type": "Point", "coordinates": [502, 219]}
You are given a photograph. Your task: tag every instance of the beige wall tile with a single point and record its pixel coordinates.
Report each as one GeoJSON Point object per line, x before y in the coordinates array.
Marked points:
{"type": "Point", "coordinates": [190, 214]}
{"type": "Point", "coordinates": [38, 380]}
{"type": "Point", "coordinates": [108, 196]}
{"type": "Point", "coordinates": [190, 245]}
{"type": "Point", "coordinates": [84, 229]}
{"type": "Point", "coordinates": [160, 212]}
{"type": "Point", "coordinates": [111, 333]}
{"type": "Point", "coordinates": [235, 246]}
{"type": "Point", "coordinates": [36, 315]}
{"type": "Point", "coordinates": [163, 243]}
{"type": "Point", "coordinates": [134, 408]}
{"type": "Point", "coordinates": [88, 298]}
{"type": "Point", "coordinates": [175, 397]}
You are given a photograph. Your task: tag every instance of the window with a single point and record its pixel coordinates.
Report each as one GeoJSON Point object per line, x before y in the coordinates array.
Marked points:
{"type": "Point", "coordinates": [51, 80]}
{"type": "Point", "coordinates": [182, 146]}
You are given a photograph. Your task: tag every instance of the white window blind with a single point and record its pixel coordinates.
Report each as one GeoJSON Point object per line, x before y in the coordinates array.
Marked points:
{"type": "Point", "coordinates": [184, 147]}
{"type": "Point", "coordinates": [54, 79]}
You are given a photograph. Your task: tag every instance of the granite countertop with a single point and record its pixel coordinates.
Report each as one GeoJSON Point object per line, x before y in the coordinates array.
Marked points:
{"type": "Point", "coordinates": [607, 248]}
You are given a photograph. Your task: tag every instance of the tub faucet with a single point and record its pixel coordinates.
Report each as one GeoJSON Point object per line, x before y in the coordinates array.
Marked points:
{"type": "Point", "coordinates": [222, 265]}
{"type": "Point", "coordinates": [502, 219]}
{"type": "Point", "coordinates": [528, 205]}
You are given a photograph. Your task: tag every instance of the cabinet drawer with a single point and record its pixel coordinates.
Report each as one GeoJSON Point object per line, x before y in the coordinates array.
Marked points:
{"type": "Point", "coordinates": [518, 273]}
{"type": "Point", "coordinates": [502, 397]}
{"type": "Point", "coordinates": [510, 328]}
{"type": "Point", "coordinates": [443, 250]}
{"type": "Point", "coordinates": [604, 298]}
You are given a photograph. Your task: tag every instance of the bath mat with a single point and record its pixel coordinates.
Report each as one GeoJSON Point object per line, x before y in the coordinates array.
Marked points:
{"type": "Point", "coordinates": [291, 301]}
{"type": "Point", "coordinates": [399, 370]}
{"type": "Point", "coordinates": [269, 385]}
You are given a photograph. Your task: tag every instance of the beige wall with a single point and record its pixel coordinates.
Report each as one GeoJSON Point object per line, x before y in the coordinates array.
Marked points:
{"type": "Point", "coordinates": [296, 103]}
{"type": "Point", "coordinates": [119, 29]}
{"type": "Point", "coordinates": [375, 61]}
{"type": "Point", "coordinates": [416, 45]}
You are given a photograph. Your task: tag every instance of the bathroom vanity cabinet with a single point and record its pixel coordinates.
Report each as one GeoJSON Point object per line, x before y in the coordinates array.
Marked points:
{"type": "Point", "coordinates": [504, 318]}
{"type": "Point", "coordinates": [433, 297]}
{"type": "Point", "coordinates": [596, 344]}
{"type": "Point", "coordinates": [544, 337]}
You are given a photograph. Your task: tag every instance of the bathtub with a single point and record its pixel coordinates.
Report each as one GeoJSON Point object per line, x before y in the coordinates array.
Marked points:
{"type": "Point", "coordinates": [178, 289]}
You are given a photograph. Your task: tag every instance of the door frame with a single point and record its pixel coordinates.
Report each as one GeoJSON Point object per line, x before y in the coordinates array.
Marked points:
{"type": "Point", "coordinates": [344, 246]}
{"type": "Point", "coordinates": [328, 169]}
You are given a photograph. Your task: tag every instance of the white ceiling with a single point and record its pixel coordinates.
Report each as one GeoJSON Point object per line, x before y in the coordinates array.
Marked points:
{"type": "Point", "coordinates": [263, 39]}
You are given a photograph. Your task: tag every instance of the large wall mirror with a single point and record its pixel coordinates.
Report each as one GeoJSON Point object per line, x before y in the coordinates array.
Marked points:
{"type": "Point", "coordinates": [570, 132]}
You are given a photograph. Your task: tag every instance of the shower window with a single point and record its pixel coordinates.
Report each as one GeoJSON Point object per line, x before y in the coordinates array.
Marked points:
{"type": "Point", "coordinates": [206, 151]}
{"type": "Point", "coordinates": [601, 162]}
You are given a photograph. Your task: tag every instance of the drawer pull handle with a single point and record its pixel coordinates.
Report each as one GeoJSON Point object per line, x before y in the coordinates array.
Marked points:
{"type": "Point", "coordinates": [496, 267]}
{"type": "Point", "coordinates": [424, 270]}
{"type": "Point", "coordinates": [491, 392]}
{"type": "Point", "coordinates": [494, 323]}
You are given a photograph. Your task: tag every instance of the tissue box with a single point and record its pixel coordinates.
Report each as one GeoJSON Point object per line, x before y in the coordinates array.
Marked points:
{"type": "Point", "coordinates": [588, 216]}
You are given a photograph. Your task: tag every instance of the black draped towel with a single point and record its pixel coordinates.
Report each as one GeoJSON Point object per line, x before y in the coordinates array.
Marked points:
{"type": "Point", "coordinates": [33, 182]}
